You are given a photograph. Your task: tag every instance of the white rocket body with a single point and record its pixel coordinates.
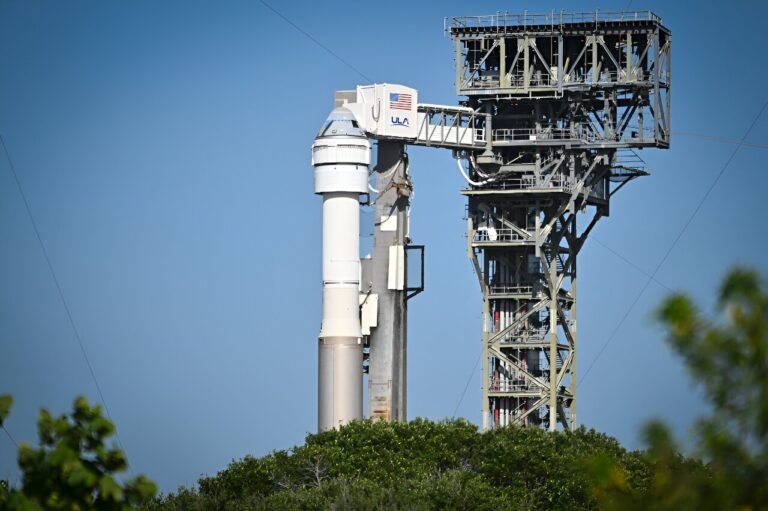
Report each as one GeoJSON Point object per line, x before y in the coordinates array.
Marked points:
{"type": "Point", "coordinates": [341, 155]}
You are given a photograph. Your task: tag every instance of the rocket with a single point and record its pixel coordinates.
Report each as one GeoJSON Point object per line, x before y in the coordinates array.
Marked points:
{"type": "Point", "coordinates": [341, 155]}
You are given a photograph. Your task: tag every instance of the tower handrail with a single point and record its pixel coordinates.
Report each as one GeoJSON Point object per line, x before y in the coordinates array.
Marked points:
{"type": "Point", "coordinates": [501, 20]}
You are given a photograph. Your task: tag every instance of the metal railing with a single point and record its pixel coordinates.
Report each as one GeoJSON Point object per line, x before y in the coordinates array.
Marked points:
{"type": "Point", "coordinates": [582, 132]}
{"type": "Point", "coordinates": [513, 383]}
{"type": "Point", "coordinates": [531, 335]}
{"type": "Point", "coordinates": [627, 159]}
{"type": "Point", "coordinates": [493, 235]}
{"type": "Point", "coordinates": [458, 128]}
{"type": "Point", "coordinates": [519, 385]}
{"type": "Point", "coordinates": [578, 77]}
{"type": "Point", "coordinates": [481, 82]}
{"type": "Point", "coordinates": [537, 79]}
{"type": "Point", "coordinates": [529, 182]}
{"type": "Point", "coordinates": [505, 289]}
{"type": "Point", "coordinates": [529, 134]}
{"type": "Point", "coordinates": [552, 19]}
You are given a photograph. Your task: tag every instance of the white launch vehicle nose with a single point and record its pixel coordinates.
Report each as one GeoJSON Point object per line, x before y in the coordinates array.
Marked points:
{"type": "Point", "coordinates": [341, 155]}
{"type": "Point", "coordinates": [341, 122]}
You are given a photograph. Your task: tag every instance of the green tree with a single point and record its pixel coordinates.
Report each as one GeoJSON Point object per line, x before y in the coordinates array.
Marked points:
{"type": "Point", "coordinates": [729, 360]}
{"type": "Point", "coordinates": [73, 469]}
{"type": "Point", "coordinates": [414, 466]}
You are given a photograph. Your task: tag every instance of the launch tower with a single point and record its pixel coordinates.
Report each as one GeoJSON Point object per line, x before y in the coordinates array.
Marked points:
{"type": "Point", "coordinates": [569, 98]}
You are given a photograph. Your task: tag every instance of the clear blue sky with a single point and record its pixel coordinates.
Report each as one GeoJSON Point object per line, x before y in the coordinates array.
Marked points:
{"type": "Point", "coordinates": [164, 151]}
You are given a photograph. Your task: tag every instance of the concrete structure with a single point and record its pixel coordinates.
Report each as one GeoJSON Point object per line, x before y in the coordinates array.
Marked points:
{"type": "Point", "coordinates": [387, 344]}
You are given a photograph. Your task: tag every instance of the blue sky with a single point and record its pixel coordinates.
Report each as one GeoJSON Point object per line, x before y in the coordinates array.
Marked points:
{"type": "Point", "coordinates": [164, 151]}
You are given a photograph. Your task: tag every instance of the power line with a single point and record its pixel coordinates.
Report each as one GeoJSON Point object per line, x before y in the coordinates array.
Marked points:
{"type": "Point", "coordinates": [674, 242]}
{"type": "Point", "coordinates": [637, 267]}
{"type": "Point", "coordinates": [58, 288]}
{"type": "Point", "coordinates": [469, 380]}
{"type": "Point", "coordinates": [10, 437]}
{"type": "Point", "coordinates": [633, 265]}
{"type": "Point", "coordinates": [312, 38]}
{"type": "Point", "coordinates": [721, 140]}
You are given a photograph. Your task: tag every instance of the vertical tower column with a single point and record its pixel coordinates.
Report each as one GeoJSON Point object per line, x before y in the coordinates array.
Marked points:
{"type": "Point", "coordinates": [387, 370]}
{"type": "Point", "coordinates": [523, 244]}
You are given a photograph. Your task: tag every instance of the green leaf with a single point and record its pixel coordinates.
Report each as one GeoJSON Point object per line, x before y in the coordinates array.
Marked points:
{"type": "Point", "coordinates": [144, 487]}
{"type": "Point", "coordinates": [109, 490]}
{"type": "Point", "coordinates": [6, 401]}
{"type": "Point", "coordinates": [72, 469]}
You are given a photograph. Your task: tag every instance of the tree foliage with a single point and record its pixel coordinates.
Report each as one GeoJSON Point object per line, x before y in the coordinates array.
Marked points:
{"type": "Point", "coordinates": [729, 360]}
{"type": "Point", "coordinates": [449, 465]}
{"type": "Point", "coordinates": [73, 469]}
{"type": "Point", "coordinates": [416, 465]}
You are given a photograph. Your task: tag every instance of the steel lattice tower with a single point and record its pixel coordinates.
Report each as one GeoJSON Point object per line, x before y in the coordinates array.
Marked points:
{"type": "Point", "coordinates": [569, 97]}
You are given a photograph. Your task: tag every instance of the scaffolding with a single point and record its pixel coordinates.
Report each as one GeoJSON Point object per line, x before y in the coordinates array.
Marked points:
{"type": "Point", "coordinates": [568, 98]}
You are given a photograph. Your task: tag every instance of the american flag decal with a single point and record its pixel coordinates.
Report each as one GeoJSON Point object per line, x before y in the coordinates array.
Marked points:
{"type": "Point", "coordinates": [399, 100]}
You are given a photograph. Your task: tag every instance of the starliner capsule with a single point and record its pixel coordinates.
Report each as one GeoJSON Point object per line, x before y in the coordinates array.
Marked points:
{"type": "Point", "coordinates": [341, 155]}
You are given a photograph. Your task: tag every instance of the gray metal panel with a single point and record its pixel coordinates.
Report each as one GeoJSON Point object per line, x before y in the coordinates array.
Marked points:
{"type": "Point", "coordinates": [388, 341]}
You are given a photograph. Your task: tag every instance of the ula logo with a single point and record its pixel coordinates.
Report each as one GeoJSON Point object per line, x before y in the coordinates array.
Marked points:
{"type": "Point", "coordinates": [397, 121]}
